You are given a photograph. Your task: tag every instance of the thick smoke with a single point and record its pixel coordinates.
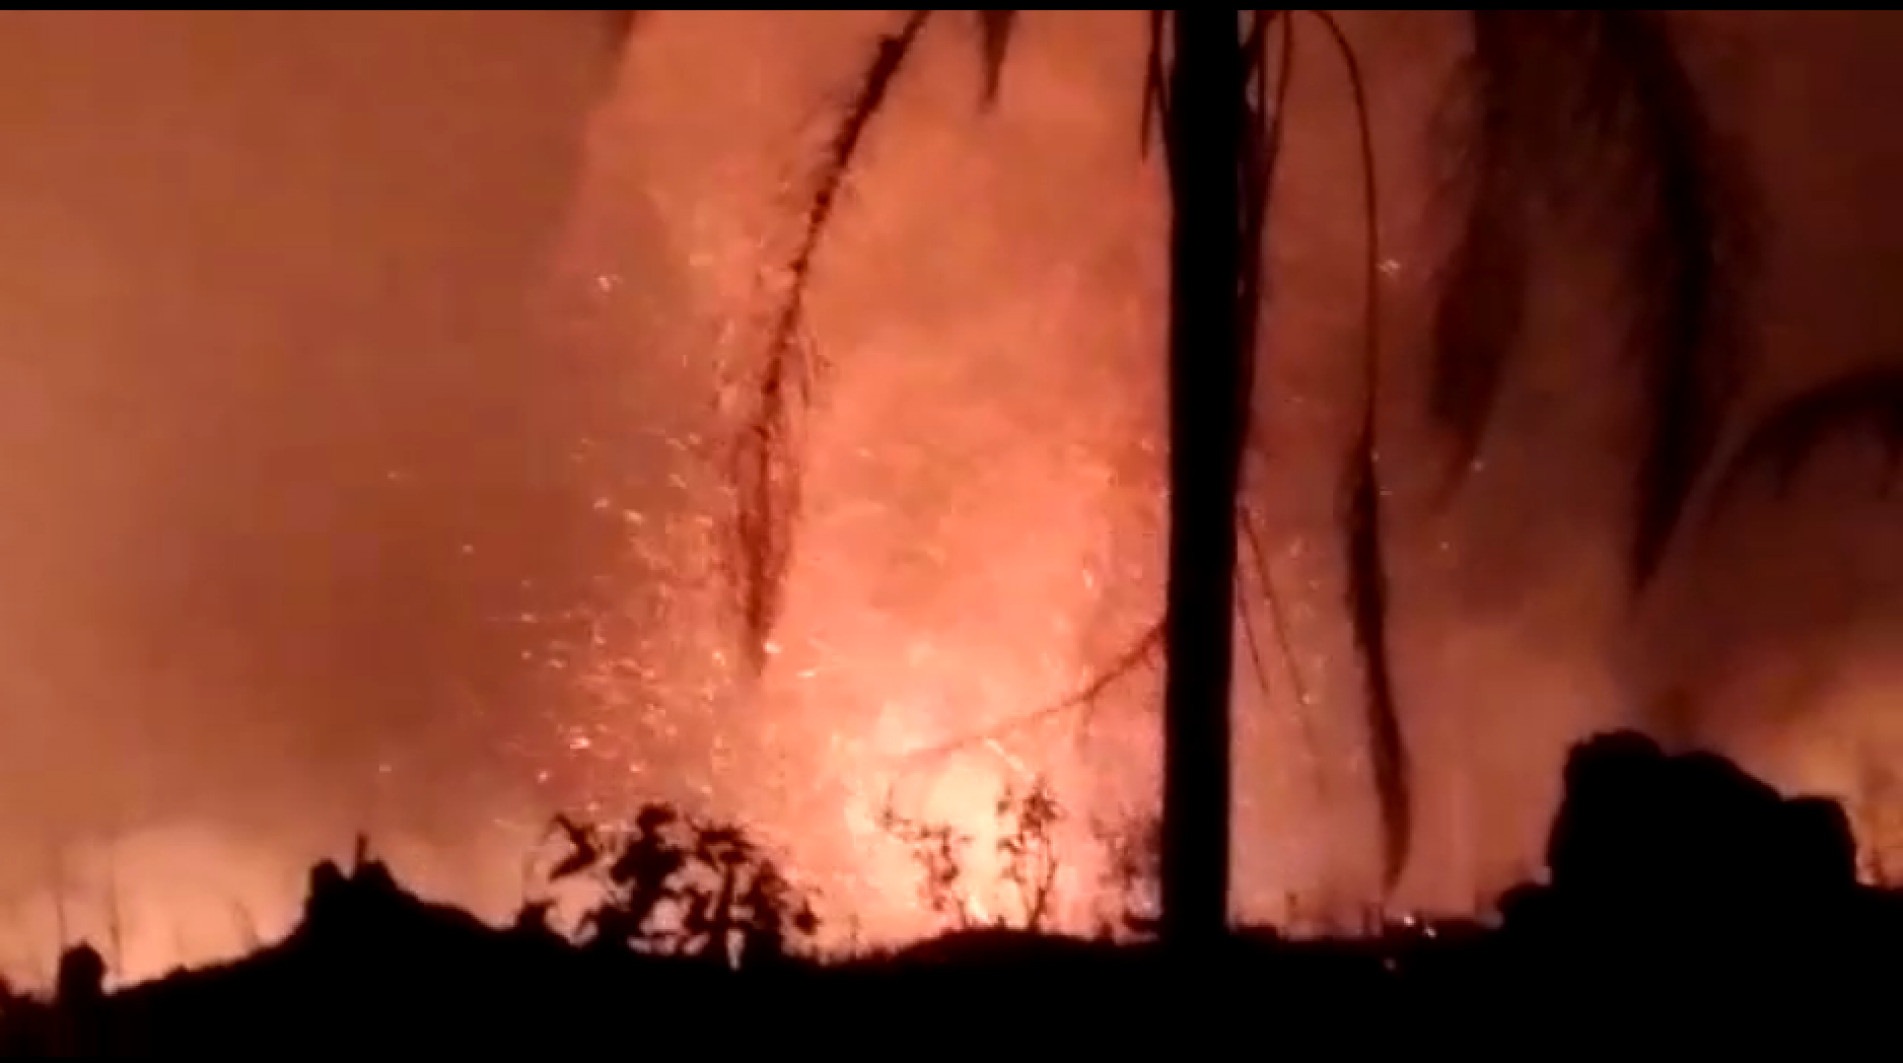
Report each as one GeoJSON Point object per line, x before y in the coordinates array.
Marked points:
{"type": "Point", "coordinates": [285, 464]}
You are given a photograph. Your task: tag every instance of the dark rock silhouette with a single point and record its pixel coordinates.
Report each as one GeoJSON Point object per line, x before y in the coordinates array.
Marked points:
{"type": "Point", "coordinates": [1823, 850]}
{"type": "Point", "coordinates": [1670, 872]}
{"type": "Point", "coordinates": [1643, 835]}
{"type": "Point", "coordinates": [1655, 843]}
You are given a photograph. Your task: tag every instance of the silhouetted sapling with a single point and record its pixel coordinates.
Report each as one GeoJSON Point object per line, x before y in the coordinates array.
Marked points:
{"type": "Point", "coordinates": [939, 851]}
{"type": "Point", "coordinates": [1027, 847]}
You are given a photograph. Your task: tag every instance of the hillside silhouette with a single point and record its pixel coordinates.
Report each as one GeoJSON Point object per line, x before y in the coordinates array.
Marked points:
{"type": "Point", "coordinates": [1678, 888]}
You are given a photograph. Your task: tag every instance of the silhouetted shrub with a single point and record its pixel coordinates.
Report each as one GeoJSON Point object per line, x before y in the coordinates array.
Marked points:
{"type": "Point", "coordinates": [672, 885]}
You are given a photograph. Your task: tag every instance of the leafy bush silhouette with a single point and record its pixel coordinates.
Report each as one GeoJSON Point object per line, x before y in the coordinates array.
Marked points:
{"type": "Point", "coordinates": [673, 885]}
{"type": "Point", "coordinates": [1027, 819]}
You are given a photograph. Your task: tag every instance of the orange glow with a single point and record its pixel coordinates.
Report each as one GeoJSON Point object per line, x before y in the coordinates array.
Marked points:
{"type": "Point", "coordinates": [365, 418]}
{"type": "Point", "coordinates": [965, 554]}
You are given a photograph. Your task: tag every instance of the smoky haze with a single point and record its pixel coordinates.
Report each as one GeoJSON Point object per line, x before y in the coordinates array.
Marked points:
{"type": "Point", "coordinates": [363, 388]}
{"type": "Point", "coordinates": [282, 464]}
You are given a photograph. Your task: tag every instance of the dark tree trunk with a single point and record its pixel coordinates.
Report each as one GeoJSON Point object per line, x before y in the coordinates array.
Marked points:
{"type": "Point", "coordinates": [1207, 374]}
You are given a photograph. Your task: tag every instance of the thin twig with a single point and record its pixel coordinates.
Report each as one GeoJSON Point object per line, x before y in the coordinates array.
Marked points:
{"type": "Point", "coordinates": [115, 925]}
{"type": "Point", "coordinates": [1086, 698]}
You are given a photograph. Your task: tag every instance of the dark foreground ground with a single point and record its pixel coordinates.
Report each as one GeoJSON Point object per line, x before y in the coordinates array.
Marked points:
{"type": "Point", "coordinates": [1685, 900]}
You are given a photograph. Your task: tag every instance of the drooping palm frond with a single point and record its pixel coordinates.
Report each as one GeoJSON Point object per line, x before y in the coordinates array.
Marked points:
{"type": "Point", "coordinates": [1258, 561]}
{"type": "Point", "coordinates": [621, 24]}
{"type": "Point", "coordinates": [765, 467]}
{"type": "Point", "coordinates": [1260, 155]}
{"type": "Point", "coordinates": [1367, 601]}
{"type": "Point", "coordinates": [764, 471]}
{"type": "Point", "coordinates": [1869, 400]}
{"type": "Point", "coordinates": [1362, 529]}
{"type": "Point", "coordinates": [1483, 294]}
{"type": "Point", "coordinates": [1262, 139]}
{"type": "Point", "coordinates": [994, 42]}
{"type": "Point", "coordinates": [1155, 104]}
{"type": "Point", "coordinates": [1591, 115]}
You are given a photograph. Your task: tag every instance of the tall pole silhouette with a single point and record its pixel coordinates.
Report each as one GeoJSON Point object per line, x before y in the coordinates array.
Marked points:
{"type": "Point", "coordinates": [1207, 372]}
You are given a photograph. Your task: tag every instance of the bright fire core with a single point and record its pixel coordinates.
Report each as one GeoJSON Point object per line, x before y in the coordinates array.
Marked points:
{"type": "Point", "coordinates": [974, 464]}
